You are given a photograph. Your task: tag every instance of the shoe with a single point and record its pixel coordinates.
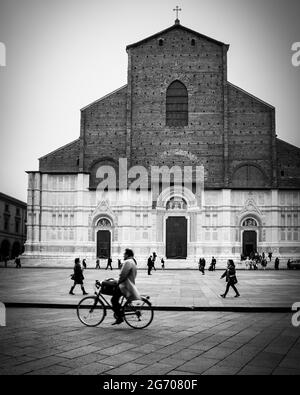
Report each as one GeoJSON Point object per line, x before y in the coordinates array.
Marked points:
{"type": "Point", "coordinates": [237, 296]}
{"type": "Point", "coordinates": [118, 321]}
{"type": "Point", "coordinates": [85, 293]}
{"type": "Point", "coordinates": [71, 293]}
{"type": "Point", "coordinates": [223, 296]}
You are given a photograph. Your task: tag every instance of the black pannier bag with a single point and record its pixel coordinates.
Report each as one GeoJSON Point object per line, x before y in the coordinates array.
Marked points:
{"type": "Point", "coordinates": [108, 286]}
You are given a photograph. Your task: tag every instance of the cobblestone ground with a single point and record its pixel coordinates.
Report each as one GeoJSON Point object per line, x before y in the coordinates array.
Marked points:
{"type": "Point", "coordinates": [50, 341]}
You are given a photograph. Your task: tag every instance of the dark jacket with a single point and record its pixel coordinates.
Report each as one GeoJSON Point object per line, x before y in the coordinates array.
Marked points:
{"type": "Point", "coordinates": [78, 275]}
{"type": "Point", "coordinates": [230, 275]}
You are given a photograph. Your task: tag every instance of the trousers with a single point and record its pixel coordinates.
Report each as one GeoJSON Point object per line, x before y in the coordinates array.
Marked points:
{"type": "Point", "coordinates": [229, 284]}
{"type": "Point", "coordinates": [115, 301]}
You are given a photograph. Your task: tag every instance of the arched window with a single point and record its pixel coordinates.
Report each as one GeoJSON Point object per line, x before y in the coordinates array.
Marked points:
{"type": "Point", "coordinates": [248, 176]}
{"type": "Point", "coordinates": [176, 203]}
{"type": "Point", "coordinates": [250, 222]}
{"type": "Point", "coordinates": [104, 223]}
{"type": "Point", "coordinates": [177, 105]}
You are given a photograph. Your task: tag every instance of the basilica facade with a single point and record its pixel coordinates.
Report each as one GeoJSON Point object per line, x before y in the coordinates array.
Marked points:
{"type": "Point", "coordinates": [177, 110]}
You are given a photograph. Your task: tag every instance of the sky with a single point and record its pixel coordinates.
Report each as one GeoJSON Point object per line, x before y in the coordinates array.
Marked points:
{"type": "Point", "coordinates": [64, 54]}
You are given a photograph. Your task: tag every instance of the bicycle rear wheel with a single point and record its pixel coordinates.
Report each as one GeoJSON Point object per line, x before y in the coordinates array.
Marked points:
{"type": "Point", "coordinates": [138, 314]}
{"type": "Point", "coordinates": [91, 311]}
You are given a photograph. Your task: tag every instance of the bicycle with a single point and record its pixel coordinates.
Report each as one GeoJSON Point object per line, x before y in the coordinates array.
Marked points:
{"type": "Point", "coordinates": [92, 310]}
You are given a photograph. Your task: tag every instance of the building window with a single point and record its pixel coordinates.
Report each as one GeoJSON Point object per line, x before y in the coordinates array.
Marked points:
{"type": "Point", "coordinates": [17, 226]}
{"type": "Point", "coordinates": [177, 105]}
{"type": "Point", "coordinates": [7, 208]}
{"type": "Point", "coordinates": [160, 42]}
{"type": "Point", "coordinates": [6, 227]}
{"type": "Point", "coordinates": [18, 212]}
{"type": "Point", "coordinates": [193, 42]}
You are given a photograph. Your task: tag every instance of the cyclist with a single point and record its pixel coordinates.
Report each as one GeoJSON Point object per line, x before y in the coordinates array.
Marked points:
{"type": "Point", "coordinates": [126, 285]}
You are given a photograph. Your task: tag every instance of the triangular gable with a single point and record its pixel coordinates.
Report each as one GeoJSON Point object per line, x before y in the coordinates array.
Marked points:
{"type": "Point", "coordinates": [176, 26]}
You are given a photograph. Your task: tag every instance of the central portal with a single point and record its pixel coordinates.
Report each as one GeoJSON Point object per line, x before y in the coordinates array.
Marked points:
{"type": "Point", "coordinates": [176, 238]}
{"type": "Point", "coordinates": [249, 243]}
{"type": "Point", "coordinates": [103, 244]}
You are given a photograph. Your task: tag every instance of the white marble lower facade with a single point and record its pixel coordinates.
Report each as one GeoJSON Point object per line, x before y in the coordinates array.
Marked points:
{"type": "Point", "coordinates": [66, 220]}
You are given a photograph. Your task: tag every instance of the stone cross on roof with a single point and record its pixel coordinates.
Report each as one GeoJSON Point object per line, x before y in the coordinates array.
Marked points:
{"type": "Point", "coordinates": [177, 9]}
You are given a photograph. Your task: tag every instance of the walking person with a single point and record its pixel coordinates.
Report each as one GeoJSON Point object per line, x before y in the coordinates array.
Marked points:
{"type": "Point", "coordinates": [202, 264]}
{"type": "Point", "coordinates": [119, 264]}
{"type": "Point", "coordinates": [77, 277]}
{"type": "Point", "coordinates": [84, 263]}
{"type": "Point", "coordinates": [213, 264]}
{"type": "Point", "coordinates": [5, 261]}
{"type": "Point", "coordinates": [270, 255]}
{"type": "Point", "coordinates": [276, 264]}
{"type": "Point", "coordinates": [153, 260]}
{"type": "Point", "coordinates": [162, 263]}
{"type": "Point", "coordinates": [18, 262]}
{"type": "Point", "coordinates": [126, 285]}
{"type": "Point", "coordinates": [97, 263]}
{"type": "Point", "coordinates": [231, 279]}
{"type": "Point", "coordinates": [109, 262]}
{"type": "Point", "coordinates": [149, 264]}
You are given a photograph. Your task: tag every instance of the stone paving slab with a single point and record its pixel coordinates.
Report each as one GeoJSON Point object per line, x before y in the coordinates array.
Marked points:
{"type": "Point", "coordinates": [176, 343]}
{"type": "Point", "coordinates": [169, 288]}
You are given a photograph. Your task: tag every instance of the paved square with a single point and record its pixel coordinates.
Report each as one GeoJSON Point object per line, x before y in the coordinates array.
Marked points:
{"type": "Point", "coordinates": [50, 341]}
{"type": "Point", "coordinates": [169, 288]}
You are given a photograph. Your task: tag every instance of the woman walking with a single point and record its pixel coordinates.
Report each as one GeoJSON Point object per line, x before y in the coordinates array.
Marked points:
{"type": "Point", "coordinates": [77, 277]}
{"type": "Point", "coordinates": [231, 279]}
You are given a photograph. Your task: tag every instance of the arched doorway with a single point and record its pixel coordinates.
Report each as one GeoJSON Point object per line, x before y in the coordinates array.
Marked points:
{"type": "Point", "coordinates": [176, 238]}
{"type": "Point", "coordinates": [5, 249]}
{"type": "Point", "coordinates": [103, 244]}
{"type": "Point", "coordinates": [103, 237]}
{"type": "Point", "coordinates": [249, 242]}
{"type": "Point", "coordinates": [250, 227]}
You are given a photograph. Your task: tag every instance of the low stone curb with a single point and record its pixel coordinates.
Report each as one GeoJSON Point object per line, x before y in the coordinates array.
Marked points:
{"type": "Point", "coordinates": [235, 309]}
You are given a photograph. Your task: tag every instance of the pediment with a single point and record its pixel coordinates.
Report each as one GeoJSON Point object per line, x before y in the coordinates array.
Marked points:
{"type": "Point", "coordinates": [104, 209]}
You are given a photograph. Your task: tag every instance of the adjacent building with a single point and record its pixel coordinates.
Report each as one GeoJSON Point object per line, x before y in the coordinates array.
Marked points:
{"type": "Point", "coordinates": [12, 226]}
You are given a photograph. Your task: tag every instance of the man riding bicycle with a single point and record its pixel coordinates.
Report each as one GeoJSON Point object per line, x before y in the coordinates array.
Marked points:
{"type": "Point", "coordinates": [126, 285]}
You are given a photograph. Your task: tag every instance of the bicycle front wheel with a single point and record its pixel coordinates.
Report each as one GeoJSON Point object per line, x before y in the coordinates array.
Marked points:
{"type": "Point", "coordinates": [91, 311]}
{"type": "Point", "coordinates": [138, 314]}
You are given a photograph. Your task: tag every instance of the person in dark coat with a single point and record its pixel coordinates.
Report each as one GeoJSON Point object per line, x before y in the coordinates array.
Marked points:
{"type": "Point", "coordinates": [231, 279]}
{"type": "Point", "coordinates": [276, 264]}
{"type": "Point", "coordinates": [270, 256]}
{"type": "Point", "coordinates": [18, 262]}
{"type": "Point", "coordinates": [213, 264]}
{"type": "Point", "coordinates": [97, 263]}
{"type": "Point", "coordinates": [202, 264]}
{"type": "Point", "coordinates": [84, 263]}
{"type": "Point", "coordinates": [150, 265]}
{"type": "Point", "coordinates": [109, 262]}
{"type": "Point", "coordinates": [153, 260]}
{"type": "Point", "coordinates": [77, 277]}
{"type": "Point", "coordinates": [162, 263]}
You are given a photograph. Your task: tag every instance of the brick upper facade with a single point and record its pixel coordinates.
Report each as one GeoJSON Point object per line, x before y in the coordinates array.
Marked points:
{"type": "Point", "coordinates": [229, 131]}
